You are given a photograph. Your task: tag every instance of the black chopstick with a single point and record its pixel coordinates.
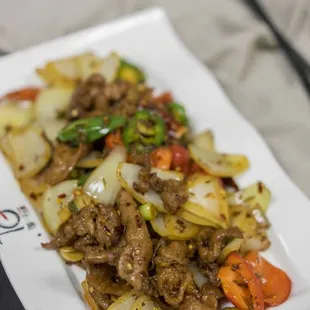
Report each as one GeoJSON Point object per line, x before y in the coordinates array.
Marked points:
{"type": "Point", "coordinates": [300, 65]}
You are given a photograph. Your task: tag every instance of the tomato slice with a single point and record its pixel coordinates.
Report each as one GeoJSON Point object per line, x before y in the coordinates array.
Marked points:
{"type": "Point", "coordinates": [240, 285]}
{"type": "Point", "coordinates": [275, 282]}
{"type": "Point", "coordinates": [113, 139]}
{"type": "Point", "coordinates": [161, 158]}
{"type": "Point", "coordinates": [180, 157]}
{"type": "Point", "coordinates": [27, 93]}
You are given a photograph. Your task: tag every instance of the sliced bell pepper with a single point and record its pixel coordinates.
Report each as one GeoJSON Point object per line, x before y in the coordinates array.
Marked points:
{"type": "Point", "coordinates": [145, 128]}
{"type": "Point", "coordinates": [130, 72]}
{"type": "Point", "coordinates": [27, 93]}
{"type": "Point", "coordinates": [276, 284]}
{"type": "Point", "coordinates": [161, 158]}
{"type": "Point", "coordinates": [240, 285]}
{"type": "Point", "coordinates": [90, 129]}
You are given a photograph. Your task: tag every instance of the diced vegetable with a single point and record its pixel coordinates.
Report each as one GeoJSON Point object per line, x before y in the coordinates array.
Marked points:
{"type": "Point", "coordinates": [53, 200]}
{"type": "Point", "coordinates": [103, 184]}
{"type": "Point", "coordinates": [193, 218]}
{"type": "Point", "coordinates": [51, 128]}
{"type": "Point", "coordinates": [52, 102]}
{"type": "Point", "coordinates": [130, 72]}
{"type": "Point", "coordinates": [92, 160]}
{"type": "Point", "coordinates": [148, 211]}
{"type": "Point", "coordinates": [161, 158]}
{"type": "Point", "coordinates": [27, 150]}
{"type": "Point", "coordinates": [125, 302]}
{"type": "Point", "coordinates": [255, 194]}
{"type": "Point", "coordinates": [145, 128]}
{"type": "Point", "coordinates": [207, 199]}
{"type": "Point", "coordinates": [174, 228]}
{"type": "Point", "coordinates": [216, 164]}
{"type": "Point", "coordinates": [204, 140]}
{"type": "Point", "coordinates": [255, 242]}
{"type": "Point", "coordinates": [90, 129]}
{"type": "Point", "coordinates": [69, 254]}
{"type": "Point", "coordinates": [129, 173]}
{"type": "Point", "coordinates": [113, 139]}
{"type": "Point", "coordinates": [233, 246]}
{"type": "Point", "coordinates": [14, 114]}
{"type": "Point", "coordinates": [178, 112]}
{"type": "Point", "coordinates": [180, 157]}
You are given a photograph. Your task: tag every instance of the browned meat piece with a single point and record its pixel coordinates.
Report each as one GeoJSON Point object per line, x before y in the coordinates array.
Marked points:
{"type": "Point", "coordinates": [137, 252]}
{"type": "Point", "coordinates": [89, 223]}
{"type": "Point", "coordinates": [84, 96]}
{"type": "Point", "coordinates": [209, 270]}
{"type": "Point", "coordinates": [95, 97]}
{"type": "Point", "coordinates": [103, 278]}
{"type": "Point", "coordinates": [85, 243]}
{"type": "Point", "coordinates": [109, 227]}
{"type": "Point", "coordinates": [63, 161]}
{"type": "Point", "coordinates": [210, 242]}
{"type": "Point", "coordinates": [173, 276]}
{"type": "Point", "coordinates": [210, 295]}
{"type": "Point", "coordinates": [99, 256]}
{"type": "Point", "coordinates": [103, 301]}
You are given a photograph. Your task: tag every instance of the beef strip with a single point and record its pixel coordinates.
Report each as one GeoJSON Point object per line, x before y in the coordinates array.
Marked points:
{"type": "Point", "coordinates": [63, 161]}
{"type": "Point", "coordinates": [104, 279]}
{"type": "Point", "coordinates": [90, 224]}
{"type": "Point", "coordinates": [210, 242]}
{"type": "Point", "coordinates": [136, 255]}
{"type": "Point", "coordinates": [96, 97]}
{"type": "Point", "coordinates": [173, 276]}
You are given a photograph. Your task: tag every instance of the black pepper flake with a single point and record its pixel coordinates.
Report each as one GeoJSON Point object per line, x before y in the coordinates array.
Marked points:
{"type": "Point", "coordinates": [33, 196]}
{"type": "Point", "coordinates": [62, 196]}
{"type": "Point", "coordinates": [260, 187]}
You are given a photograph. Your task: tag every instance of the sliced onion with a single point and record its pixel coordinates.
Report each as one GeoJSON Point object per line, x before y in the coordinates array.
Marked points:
{"type": "Point", "coordinates": [27, 150]}
{"type": "Point", "coordinates": [199, 278]}
{"type": "Point", "coordinates": [69, 254]}
{"type": "Point", "coordinates": [204, 140]}
{"type": "Point", "coordinates": [255, 242]}
{"type": "Point", "coordinates": [216, 164]}
{"type": "Point", "coordinates": [86, 64]}
{"type": "Point", "coordinates": [14, 115]}
{"type": "Point", "coordinates": [207, 199]}
{"type": "Point", "coordinates": [125, 302]}
{"type": "Point", "coordinates": [193, 218]}
{"type": "Point", "coordinates": [129, 173]}
{"type": "Point", "coordinates": [255, 194]}
{"type": "Point", "coordinates": [109, 67]}
{"type": "Point", "coordinates": [51, 129]}
{"type": "Point", "coordinates": [92, 160]}
{"type": "Point", "coordinates": [52, 102]}
{"type": "Point", "coordinates": [53, 200]}
{"type": "Point", "coordinates": [89, 299]}
{"type": "Point", "coordinates": [103, 184]}
{"type": "Point", "coordinates": [173, 227]}
{"type": "Point", "coordinates": [144, 303]}
{"type": "Point", "coordinates": [233, 246]}
{"type": "Point", "coordinates": [180, 229]}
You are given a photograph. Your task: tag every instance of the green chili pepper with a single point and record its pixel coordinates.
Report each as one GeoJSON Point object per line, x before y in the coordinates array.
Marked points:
{"type": "Point", "coordinates": [73, 207]}
{"type": "Point", "coordinates": [130, 72]}
{"type": "Point", "coordinates": [178, 112]}
{"type": "Point", "coordinates": [90, 129]}
{"type": "Point", "coordinates": [145, 128]}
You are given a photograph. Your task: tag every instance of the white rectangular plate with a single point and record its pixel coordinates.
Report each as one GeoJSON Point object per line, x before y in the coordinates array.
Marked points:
{"type": "Point", "coordinates": [39, 277]}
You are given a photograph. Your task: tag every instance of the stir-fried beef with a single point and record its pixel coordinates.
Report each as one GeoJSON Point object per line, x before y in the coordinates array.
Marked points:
{"type": "Point", "coordinates": [210, 242]}
{"type": "Point", "coordinates": [172, 192]}
{"type": "Point", "coordinates": [96, 97]}
{"type": "Point", "coordinates": [97, 224]}
{"type": "Point", "coordinates": [136, 255]}
{"type": "Point", "coordinates": [64, 160]}
{"type": "Point", "coordinates": [173, 276]}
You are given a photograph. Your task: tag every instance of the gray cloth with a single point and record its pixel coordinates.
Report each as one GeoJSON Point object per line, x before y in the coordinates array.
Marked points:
{"type": "Point", "coordinates": [223, 34]}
